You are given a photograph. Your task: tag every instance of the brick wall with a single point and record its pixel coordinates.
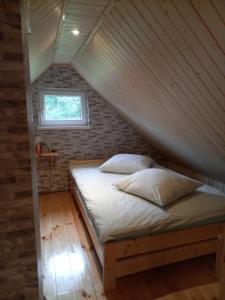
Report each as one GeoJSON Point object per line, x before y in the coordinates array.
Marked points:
{"type": "Point", "coordinates": [109, 133]}
{"type": "Point", "coordinates": [18, 272]}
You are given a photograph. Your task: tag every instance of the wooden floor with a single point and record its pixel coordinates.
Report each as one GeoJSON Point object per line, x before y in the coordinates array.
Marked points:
{"type": "Point", "coordinates": [71, 272]}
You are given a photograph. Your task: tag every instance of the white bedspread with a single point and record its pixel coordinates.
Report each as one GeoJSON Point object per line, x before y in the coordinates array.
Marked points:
{"type": "Point", "coordinates": [117, 215]}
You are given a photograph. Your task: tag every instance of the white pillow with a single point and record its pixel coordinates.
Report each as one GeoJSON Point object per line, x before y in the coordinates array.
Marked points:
{"type": "Point", "coordinates": [159, 186]}
{"type": "Point", "coordinates": [126, 163]}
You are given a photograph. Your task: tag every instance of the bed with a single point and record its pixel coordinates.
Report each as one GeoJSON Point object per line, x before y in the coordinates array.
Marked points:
{"type": "Point", "coordinates": [131, 234]}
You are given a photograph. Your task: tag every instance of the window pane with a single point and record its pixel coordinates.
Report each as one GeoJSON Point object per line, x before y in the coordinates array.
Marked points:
{"type": "Point", "coordinates": [62, 108]}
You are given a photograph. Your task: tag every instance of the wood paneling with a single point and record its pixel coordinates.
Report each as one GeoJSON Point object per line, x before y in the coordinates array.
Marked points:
{"type": "Point", "coordinates": [162, 64]}
{"type": "Point", "coordinates": [45, 17]}
{"type": "Point", "coordinates": [52, 21]}
{"type": "Point", "coordinates": [81, 15]}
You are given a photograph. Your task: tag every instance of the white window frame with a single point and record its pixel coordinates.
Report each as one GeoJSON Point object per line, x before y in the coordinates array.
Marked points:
{"type": "Point", "coordinates": [62, 124]}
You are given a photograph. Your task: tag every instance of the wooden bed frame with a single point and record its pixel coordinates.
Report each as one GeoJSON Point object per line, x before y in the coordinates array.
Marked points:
{"type": "Point", "coordinates": [120, 258]}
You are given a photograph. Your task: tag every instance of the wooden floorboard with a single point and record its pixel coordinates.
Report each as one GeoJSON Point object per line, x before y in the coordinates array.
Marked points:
{"type": "Point", "coordinates": [72, 272]}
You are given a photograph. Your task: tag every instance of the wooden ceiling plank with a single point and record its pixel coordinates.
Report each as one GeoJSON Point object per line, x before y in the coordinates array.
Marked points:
{"type": "Point", "coordinates": [190, 119]}
{"type": "Point", "coordinates": [203, 63]}
{"type": "Point", "coordinates": [84, 7]}
{"type": "Point", "coordinates": [187, 71]}
{"type": "Point", "coordinates": [40, 26]}
{"type": "Point", "coordinates": [211, 21]}
{"type": "Point", "coordinates": [134, 68]}
{"type": "Point", "coordinates": [219, 7]}
{"type": "Point", "coordinates": [95, 2]}
{"type": "Point", "coordinates": [106, 85]}
{"type": "Point", "coordinates": [179, 73]}
{"type": "Point", "coordinates": [203, 36]}
{"type": "Point", "coordinates": [73, 23]}
{"type": "Point", "coordinates": [44, 17]}
{"type": "Point", "coordinates": [156, 58]}
{"type": "Point", "coordinates": [120, 55]}
{"type": "Point", "coordinates": [115, 58]}
{"type": "Point", "coordinates": [97, 25]}
{"type": "Point", "coordinates": [79, 12]}
{"type": "Point", "coordinates": [160, 82]}
{"type": "Point", "coordinates": [45, 10]}
{"type": "Point", "coordinates": [186, 51]}
{"type": "Point", "coordinates": [87, 59]}
{"type": "Point", "coordinates": [71, 17]}
{"type": "Point", "coordinates": [36, 5]}
{"type": "Point", "coordinates": [174, 51]}
{"type": "Point", "coordinates": [60, 27]}
{"type": "Point", "coordinates": [74, 13]}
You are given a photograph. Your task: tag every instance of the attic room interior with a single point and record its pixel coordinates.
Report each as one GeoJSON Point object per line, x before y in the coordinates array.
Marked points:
{"type": "Point", "coordinates": [112, 149]}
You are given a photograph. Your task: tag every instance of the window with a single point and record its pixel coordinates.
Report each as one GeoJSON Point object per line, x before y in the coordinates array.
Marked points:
{"type": "Point", "coordinates": [63, 108]}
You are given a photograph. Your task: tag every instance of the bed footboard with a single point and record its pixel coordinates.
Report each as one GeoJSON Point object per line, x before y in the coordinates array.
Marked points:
{"type": "Point", "coordinates": [122, 258]}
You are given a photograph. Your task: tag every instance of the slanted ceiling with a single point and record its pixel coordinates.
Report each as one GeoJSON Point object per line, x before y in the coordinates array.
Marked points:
{"type": "Point", "coordinates": [161, 63]}
{"type": "Point", "coordinates": [82, 15]}
{"type": "Point", "coordinates": [44, 20]}
{"type": "Point", "coordinates": [52, 23]}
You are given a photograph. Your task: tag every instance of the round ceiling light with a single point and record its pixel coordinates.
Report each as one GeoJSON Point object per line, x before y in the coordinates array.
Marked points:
{"type": "Point", "coordinates": [75, 32]}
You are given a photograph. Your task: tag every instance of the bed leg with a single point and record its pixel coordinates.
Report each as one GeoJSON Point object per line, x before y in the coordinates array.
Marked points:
{"type": "Point", "coordinates": [109, 268]}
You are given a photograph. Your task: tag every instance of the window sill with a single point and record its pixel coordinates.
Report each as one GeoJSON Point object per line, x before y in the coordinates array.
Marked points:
{"type": "Point", "coordinates": [63, 127]}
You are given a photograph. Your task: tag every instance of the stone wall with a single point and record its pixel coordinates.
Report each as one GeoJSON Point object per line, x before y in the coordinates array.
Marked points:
{"type": "Point", "coordinates": [18, 271]}
{"type": "Point", "coordinates": [108, 134]}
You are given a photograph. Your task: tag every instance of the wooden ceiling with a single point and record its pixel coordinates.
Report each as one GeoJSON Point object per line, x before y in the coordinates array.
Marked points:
{"type": "Point", "coordinates": [161, 63]}
{"type": "Point", "coordinates": [45, 17]}
{"type": "Point", "coordinates": [52, 21]}
{"type": "Point", "coordinates": [81, 15]}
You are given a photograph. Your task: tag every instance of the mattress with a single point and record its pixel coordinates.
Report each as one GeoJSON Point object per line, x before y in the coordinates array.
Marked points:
{"type": "Point", "coordinates": [116, 215]}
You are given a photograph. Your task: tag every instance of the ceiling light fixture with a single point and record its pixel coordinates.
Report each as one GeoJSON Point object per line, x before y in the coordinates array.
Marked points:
{"type": "Point", "coordinates": [75, 32]}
